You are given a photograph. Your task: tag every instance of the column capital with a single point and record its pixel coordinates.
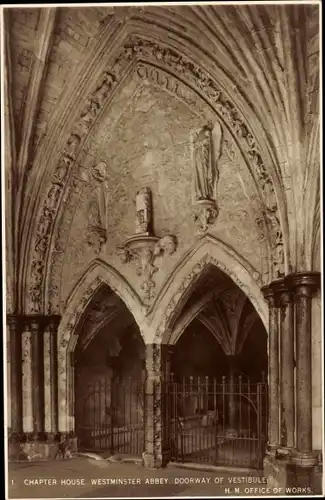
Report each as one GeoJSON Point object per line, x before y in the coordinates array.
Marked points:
{"type": "Point", "coordinates": [33, 322]}
{"type": "Point", "coordinates": [304, 283]}
{"type": "Point", "coordinates": [268, 294]}
{"type": "Point", "coordinates": [53, 321]}
{"type": "Point", "coordinates": [283, 294]}
{"type": "Point", "coordinates": [13, 322]}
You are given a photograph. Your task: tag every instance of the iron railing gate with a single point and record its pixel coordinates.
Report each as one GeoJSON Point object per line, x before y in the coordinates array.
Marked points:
{"type": "Point", "coordinates": [220, 422]}
{"type": "Point", "coordinates": [110, 417]}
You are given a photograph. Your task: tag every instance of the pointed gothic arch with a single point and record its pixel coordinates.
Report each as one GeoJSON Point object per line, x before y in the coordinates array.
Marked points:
{"type": "Point", "coordinates": [135, 49]}
{"type": "Point", "coordinates": [209, 251]}
{"type": "Point", "coordinates": [97, 275]}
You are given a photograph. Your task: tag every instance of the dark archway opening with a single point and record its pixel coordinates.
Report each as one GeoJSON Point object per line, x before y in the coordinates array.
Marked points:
{"type": "Point", "coordinates": [109, 374]}
{"type": "Point", "coordinates": [218, 400]}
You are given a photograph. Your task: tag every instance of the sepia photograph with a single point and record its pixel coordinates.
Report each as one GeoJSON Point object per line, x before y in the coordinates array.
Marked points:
{"type": "Point", "coordinates": [162, 249]}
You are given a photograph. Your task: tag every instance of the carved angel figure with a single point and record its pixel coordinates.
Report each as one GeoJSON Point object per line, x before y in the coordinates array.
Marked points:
{"type": "Point", "coordinates": [207, 150]}
{"type": "Point", "coordinates": [96, 235]}
{"type": "Point", "coordinates": [166, 244]}
{"type": "Point", "coordinates": [102, 91]}
{"type": "Point", "coordinates": [99, 171]}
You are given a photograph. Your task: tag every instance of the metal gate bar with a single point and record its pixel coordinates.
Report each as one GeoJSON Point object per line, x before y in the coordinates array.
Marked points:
{"type": "Point", "coordinates": [217, 422]}
{"type": "Point", "coordinates": [110, 417]}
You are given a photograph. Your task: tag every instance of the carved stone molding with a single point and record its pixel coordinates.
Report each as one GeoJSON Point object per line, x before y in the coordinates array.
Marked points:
{"type": "Point", "coordinates": [284, 290]}
{"type": "Point", "coordinates": [72, 198]}
{"type": "Point", "coordinates": [96, 238]}
{"type": "Point", "coordinates": [145, 50]}
{"type": "Point", "coordinates": [189, 280]}
{"type": "Point", "coordinates": [144, 247]}
{"type": "Point", "coordinates": [206, 213]}
{"type": "Point", "coordinates": [144, 250]}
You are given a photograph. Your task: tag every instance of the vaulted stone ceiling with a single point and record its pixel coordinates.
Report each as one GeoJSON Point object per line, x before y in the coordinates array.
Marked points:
{"type": "Point", "coordinates": [256, 66]}
{"type": "Point", "coordinates": [218, 304]}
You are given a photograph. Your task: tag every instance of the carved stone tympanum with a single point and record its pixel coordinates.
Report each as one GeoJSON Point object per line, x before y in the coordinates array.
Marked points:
{"type": "Point", "coordinates": [144, 247]}
{"type": "Point", "coordinates": [206, 153]}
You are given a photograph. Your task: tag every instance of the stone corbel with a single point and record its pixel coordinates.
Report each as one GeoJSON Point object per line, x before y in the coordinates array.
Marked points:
{"type": "Point", "coordinates": [206, 213]}
{"type": "Point", "coordinates": [143, 250]}
{"type": "Point", "coordinates": [96, 238]}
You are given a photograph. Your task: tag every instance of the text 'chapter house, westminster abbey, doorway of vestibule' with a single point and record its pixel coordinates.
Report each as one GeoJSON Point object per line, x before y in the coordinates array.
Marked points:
{"type": "Point", "coordinates": [163, 236]}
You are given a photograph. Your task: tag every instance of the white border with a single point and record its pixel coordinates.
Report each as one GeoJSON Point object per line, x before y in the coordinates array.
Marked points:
{"type": "Point", "coordinates": [3, 190]}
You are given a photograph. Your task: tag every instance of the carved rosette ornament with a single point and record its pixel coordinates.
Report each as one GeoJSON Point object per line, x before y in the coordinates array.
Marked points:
{"type": "Point", "coordinates": [206, 144]}
{"type": "Point", "coordinates": [144, 247]}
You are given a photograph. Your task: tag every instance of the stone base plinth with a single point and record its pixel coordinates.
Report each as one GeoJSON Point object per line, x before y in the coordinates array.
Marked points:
{"type": "Point", "coordinates": [291, 479]}
{"type": "Point", "coordinates": [150, 461]}
{"type": "Point", "coordinates": [32, 450]}
{"type": "Point", "coordinates": [37, 450]}
{"type": "Point", "coordinates": [307, 480]}
{"type": "Point", "coordinates": [275, 471]}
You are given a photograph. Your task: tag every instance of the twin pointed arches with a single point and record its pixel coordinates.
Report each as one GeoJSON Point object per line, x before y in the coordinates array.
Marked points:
{"type": "Point", "coordinates": [191, 75]}
{"type": "Point", "coordinates": [158, 324]}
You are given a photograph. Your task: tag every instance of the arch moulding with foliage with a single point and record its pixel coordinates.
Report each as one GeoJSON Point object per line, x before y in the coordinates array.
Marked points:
{"type": "Point", "coordinates": [132, 51]}
{"type": "Point", "coordinates": [98, 274]}
{"type": "Point", "coordinates": [208, 251]}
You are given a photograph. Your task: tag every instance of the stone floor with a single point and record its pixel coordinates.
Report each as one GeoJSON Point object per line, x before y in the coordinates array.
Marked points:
{"type": "Point", "coordinates": [83, 477]}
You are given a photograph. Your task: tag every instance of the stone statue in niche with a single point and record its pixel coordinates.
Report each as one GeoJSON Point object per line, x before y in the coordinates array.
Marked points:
{"type": "Point", "coordinates": [207, 145]}
{"type": "Point", "coordinates": [96, 235]}
{"type": "Point", "coordinates": [97, 208]}
{"type": "Point", "coordinates": [207, 150]}
{"type": "Point", "coordinates": [144, 247]}
{"type": "Point", "coordinates": [143, 211]}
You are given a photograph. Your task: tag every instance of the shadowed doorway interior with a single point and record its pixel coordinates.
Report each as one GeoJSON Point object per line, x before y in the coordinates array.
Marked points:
{"type": "Point", "coordinates": [109, 378]}
{"type": "Point", "coordinates": [218, 390]}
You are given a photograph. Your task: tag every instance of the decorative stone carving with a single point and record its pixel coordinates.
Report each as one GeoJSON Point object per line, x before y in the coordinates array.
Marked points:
{"type": "Point", "coordinates": [195, 78]}
{"type": "Point", "coordinates": [144, 211]}
{"type": "Point", "coordinates": [267, 220]}
{"type": "Point", "coordinates": [99, 171]}
{"type": "Point", "coordinates": [72, 196]}
{"type": "Point", "coordinates": [172, 308]}
{"type": "Point", "coordinates": [207, 213]}
{"type": "Point", "coordinates": [144, 247]}
{"type": "Point", "coordinates": [206, 152]}
{"type": "Point", "coordinates": [96, 235]}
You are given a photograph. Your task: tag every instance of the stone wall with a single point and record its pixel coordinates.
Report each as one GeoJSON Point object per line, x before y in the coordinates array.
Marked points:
{"type": "Point", "coordinates": [144, 139]}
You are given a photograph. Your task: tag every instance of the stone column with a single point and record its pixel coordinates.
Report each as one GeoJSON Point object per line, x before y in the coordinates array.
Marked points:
{"type": "Point", "coordinates": [273, 379]}
{"type": "Point", "coordinates": [27, 385]}
{"type": "Point", "coordinates": [304, 286]}
{"type": "Point", "coordinates": [8, 385]}
{"type": "Point", "coordinates": [156, 448]}
{"type": "Point", "coordinates": [51, 378]}
{"type": "Point", "coordinates": [167, 353]}
{"type": "Point", "coordinates": [286, 324]}
{"type": "Point", "coordinates": [14, 327]}
{"type": "Point", "coordinates": [36, 327]}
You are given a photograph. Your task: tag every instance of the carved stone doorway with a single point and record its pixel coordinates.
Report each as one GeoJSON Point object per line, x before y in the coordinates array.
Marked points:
{"type": "Point", "coordinates": [216, 396]}
{"type": "Point", "coordinates": [109, 367]}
